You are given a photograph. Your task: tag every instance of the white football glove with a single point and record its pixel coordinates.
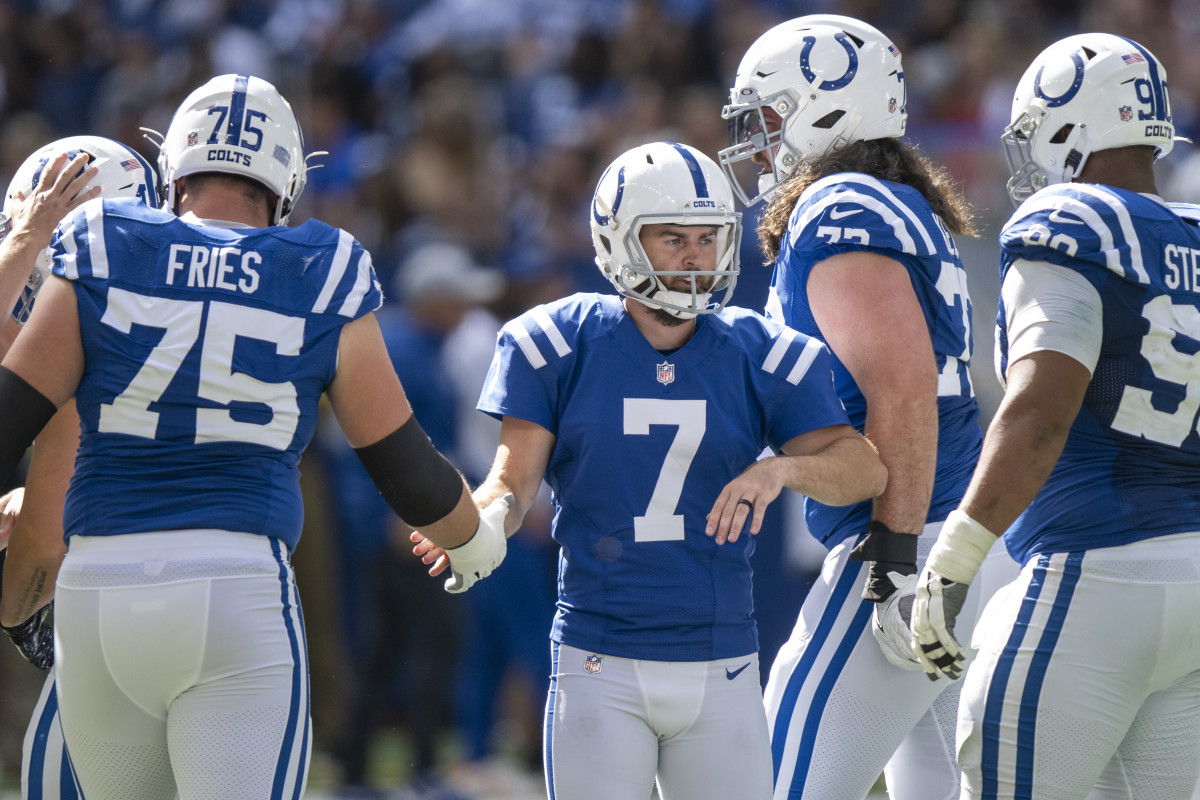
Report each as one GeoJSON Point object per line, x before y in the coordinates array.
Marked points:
{"type": "Point", "coordinates": [953, 562]}
{"type": "Point", "coordinates": [484, 551]}
{"type": "Point", "coordinates": [935, 610]}
{"type": "Point", "coordinates": [889, 622]}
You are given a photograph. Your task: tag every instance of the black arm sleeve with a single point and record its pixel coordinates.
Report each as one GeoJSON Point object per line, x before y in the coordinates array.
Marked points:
{"type": "Point", "coordinates": [25, 412]}
{"type": "Point", "coordinates": [416, 480]}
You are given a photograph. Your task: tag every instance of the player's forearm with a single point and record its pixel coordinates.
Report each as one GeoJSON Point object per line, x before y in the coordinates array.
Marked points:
{"type": "Point", "coordinates": [843, 472]}
{"type": "Point", "coordinates": [18, 255]}
{"type": "Point", "coordinates": [457, 527]}
{"type": "Point", "coordinates": [28, 585]}
{"type": "Point", "coordinates": [494, 486]}
{"type": "Point", "coordinates": [1019, 452]}
{"type": "Point", "coordinates": [1026, 437]}
{"type": "Point", "coordinates": [905, 435]}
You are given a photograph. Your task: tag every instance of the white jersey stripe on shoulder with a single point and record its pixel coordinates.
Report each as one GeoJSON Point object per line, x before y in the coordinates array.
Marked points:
{"type": "Point", "coordinates": [890, 217]}
{"type": "Point", "coordinates": [782, 342]}
{"type": "Point", "coordinates": [341, 259]}
{"type": "Point", "coordinates": [70, 254]}
{"type": "Point", "coordinates": [94, 213]}
{"type": "Point", "coordinates": [551, 330]}
{"type": "Point", "coordinates": [362, 284]}
{"type": "Point", "coordinates": [526, 343]}
{"type": "Point", "coordinates": [1127, 230]}
{"type": "Point", "coordinates": [880, 187]}
{"type": "Point", "coordinates": [804, 362]}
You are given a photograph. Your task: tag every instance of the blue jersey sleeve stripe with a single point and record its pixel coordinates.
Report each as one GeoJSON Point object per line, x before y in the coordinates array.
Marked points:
{"type": "Point", "coordinates": [1127, 231]}
{"type": "Point", "coordinates": [804, 362]}
{"type": "Point", "coordinates": [341, 259]}
{"type": "Point", "coordinates": [524, 341]}
{"type": "Point", "coordinates": [782, 342]}
{"type": "Point", "coordinates": [97, 252]}
{"type": "Point", "coordinates": [542, 318]}
{"type": "Point", "coordinates": [362, 284]}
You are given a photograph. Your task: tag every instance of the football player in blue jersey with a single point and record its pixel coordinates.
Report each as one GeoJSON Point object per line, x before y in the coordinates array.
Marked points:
{"type": "Point", "coordinates": [860, 229]}
{"type": "Point", "coordinates": [647, 413]}
{"type": "Point", "coordinates": [197, 348]}
{"type": "Point", "coordinates": [49, 184]}
{"type": "Point", "coordinates": [1088, 665]}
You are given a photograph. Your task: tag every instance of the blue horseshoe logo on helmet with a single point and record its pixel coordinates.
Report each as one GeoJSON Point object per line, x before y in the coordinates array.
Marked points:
{"type": "Point", "coordinates": [601, 219]}
{"type": "Point", "coordinates": [1069, 94]}
{"type": "Point", "coordinates": [839, 83]}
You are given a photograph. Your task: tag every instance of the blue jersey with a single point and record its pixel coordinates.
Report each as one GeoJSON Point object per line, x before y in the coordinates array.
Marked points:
{"type": "Point", "coordinates": [1131, 466]}
{"type": "Point", "coordinates": [207, 351]}
{"type": "Point", "coordinates": [644, 444]}
{"type": "Point", "coordinates": [851, 211]}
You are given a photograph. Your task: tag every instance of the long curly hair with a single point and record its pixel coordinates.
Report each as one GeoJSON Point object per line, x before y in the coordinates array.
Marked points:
{"type": "Point", "coordinates": [885, 159]}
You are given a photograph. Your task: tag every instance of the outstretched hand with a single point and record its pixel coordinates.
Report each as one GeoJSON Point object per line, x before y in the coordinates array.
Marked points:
{"type": "Point", "coordinates": [62, 189]}
{"type": "Point", "coordinates": [429, 553]}
{"type": "Point", "coordinates": [475, 559]}
{"type": "Point", "coordinates": [746, 497]}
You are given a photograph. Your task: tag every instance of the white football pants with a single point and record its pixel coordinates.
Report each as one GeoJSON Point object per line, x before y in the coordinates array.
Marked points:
{"type": "Point", "coordinates": [181, 664]}
{"type": "Point", "coordinates": [839, 713]}
{"type": "Point", "coordinates": [611, 727]}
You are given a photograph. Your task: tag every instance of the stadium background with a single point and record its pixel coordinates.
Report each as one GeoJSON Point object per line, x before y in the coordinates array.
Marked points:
{"type": "Point", "coordinates": [484, 124]}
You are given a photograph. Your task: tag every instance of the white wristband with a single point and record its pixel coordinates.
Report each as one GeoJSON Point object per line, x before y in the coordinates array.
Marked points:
{"type": "Point", "coordinates": [960, 548]}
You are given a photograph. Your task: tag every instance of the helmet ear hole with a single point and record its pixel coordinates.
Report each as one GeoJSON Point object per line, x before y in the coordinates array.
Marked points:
{"type": "Point", "coordinates": [604, 240]}
{"type": "Point", "coordinates": [1060, 136]}
{"type": "Point", "coordinates": [830, 119]}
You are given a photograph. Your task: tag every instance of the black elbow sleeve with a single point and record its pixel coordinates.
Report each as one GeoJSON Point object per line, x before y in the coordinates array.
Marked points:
{"type": "Point", "coordinates": [25, 411]}
{"type": "Point", "coordinates": [417, 481]}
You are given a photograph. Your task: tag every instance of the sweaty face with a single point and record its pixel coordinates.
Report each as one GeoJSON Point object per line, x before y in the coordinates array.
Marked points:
{"type": "Point", "coordinates": [682, 249]}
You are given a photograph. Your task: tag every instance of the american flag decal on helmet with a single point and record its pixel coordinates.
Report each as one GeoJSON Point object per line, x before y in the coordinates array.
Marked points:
{"type": "Point", "coordinates": [130, 164]}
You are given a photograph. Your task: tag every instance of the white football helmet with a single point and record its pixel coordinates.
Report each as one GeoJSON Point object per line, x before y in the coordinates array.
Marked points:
{"type": "Point", "coordinates": [665, 183]}
{"type": "Point", "coordinates": [832, 79]}
{"type": "Point", "coordinates": [241, 125]}
{"type": "Point", "coordinates": [122, 173]}
{"type": "Point", "coordinates": [1084, 93]}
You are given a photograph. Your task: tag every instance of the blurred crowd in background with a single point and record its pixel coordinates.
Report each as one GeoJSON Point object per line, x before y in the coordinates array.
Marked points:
{"type": "Point", "coordinates": [464, 140]}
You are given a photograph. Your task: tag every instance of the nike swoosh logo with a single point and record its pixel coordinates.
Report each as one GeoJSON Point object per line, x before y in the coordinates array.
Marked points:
{"type": "Point", "coordinates": [835, 214]}
{"type": "Point", "coordinates": [731, 674]}
{"type": "Point", "coordinates": [1056, 216]}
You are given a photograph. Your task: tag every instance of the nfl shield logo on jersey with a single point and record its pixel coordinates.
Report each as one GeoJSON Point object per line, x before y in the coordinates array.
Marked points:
{"type": "Point", "coordinates": [1126, 113]}
{"type": "Point", "coordinates": [666, 373]}
{"type": "Point", "coordinates": [593, 664]}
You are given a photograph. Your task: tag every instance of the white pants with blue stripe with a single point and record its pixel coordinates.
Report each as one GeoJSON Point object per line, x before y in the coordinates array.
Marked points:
{"type": "Point", "coordinates": [181, 666]}
{"type": "Point", "coordinates": [1088, 673]}
{"type": "Point", "coordinates": [839, 714]}
{"type": "Point", "coordinates": [45, 768]}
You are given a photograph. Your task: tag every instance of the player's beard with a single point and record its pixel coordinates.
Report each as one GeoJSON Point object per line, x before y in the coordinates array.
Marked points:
{"type": "Point", "coordinates": [666, 318]}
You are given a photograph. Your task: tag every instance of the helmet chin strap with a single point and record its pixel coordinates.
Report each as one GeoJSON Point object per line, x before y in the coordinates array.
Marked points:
{"type": "Point", "coordinates": [681, 300]}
